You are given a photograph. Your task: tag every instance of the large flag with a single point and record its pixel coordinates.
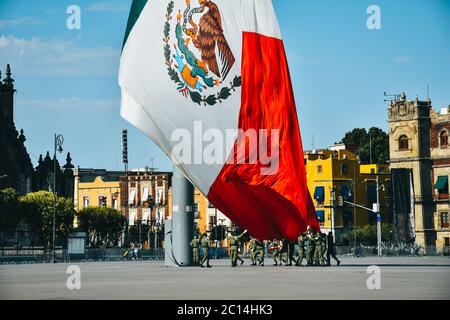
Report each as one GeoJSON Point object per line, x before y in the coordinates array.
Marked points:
{"type": "Point", "coordinates": [208, 82]}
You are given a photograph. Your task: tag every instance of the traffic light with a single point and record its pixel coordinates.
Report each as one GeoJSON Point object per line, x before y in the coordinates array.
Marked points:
{"type": "Point", "coordinates": [341, 201]}
{"type": "Point", "coordinates": [125, 146]}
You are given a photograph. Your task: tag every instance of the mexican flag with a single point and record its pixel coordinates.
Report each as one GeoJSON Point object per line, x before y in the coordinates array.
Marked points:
{"type": "Point", "coordinates": [208, 82]}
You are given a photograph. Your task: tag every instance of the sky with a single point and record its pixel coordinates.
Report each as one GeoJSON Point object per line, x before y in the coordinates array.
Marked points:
{"type": "Point", "coordinates": [66, 80]}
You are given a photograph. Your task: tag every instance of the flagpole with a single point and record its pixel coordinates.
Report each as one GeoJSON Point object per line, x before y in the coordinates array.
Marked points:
{"type": "Point", "coordinates": [182, 223]}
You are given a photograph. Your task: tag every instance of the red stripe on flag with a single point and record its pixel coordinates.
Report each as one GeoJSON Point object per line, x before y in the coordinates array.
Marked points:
{"type": "Point", "coordinates": [279, 205]}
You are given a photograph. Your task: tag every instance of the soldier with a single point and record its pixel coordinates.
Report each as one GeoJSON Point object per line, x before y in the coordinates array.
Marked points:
{"type": "Point", "coordinates": [234, 246]}
{"type": "Point", "coordinates": [311, 246]}
{"type": "Point", "coordinates": [331, 251]}
{"type": "Point", "coordinates": [284, 252]}
{"type": "Point", "coordinates": [291, 250]}
{"type": "Point", "coordinates": [301, 249]}
{"type": "Point", "coordinates": [274, 249]}
{"type": "Point", "coordinates": [205, 248]}
{"type": "Point", "coordinates": [323, 240]}
{"type": "Point", "coordinates": [195, 243]}
{"type": "Point", "coordinates": [259, 254]}
{"type": "Point", "coordinates": [318, 249]}
{"type": "Point", "coordinates": [252, 249]}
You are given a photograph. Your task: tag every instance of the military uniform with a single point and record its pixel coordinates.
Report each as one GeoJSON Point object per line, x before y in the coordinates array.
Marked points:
{"type": "Point", "coordinates": [252, 248]}
{"type": "Point", "coordinates": [195, 244]}
{"type": "Point", "coordinates": [205, 248]}
{"type": "Point", "coordinates": [284, 252]}
{"type": "Point", "coordinates": [259, 252]}
{"type": "Point", "coordinates": [301, 249]}
{"type": "Point", "coordinates": [323, 240]}
{"type": "Point", "coordinates": [234, 247]}
{"type": "Point", "coordinates": [275, 249]}
{"type": "Point", "coordinates": [311, 246]}
{"type": "Point", "coordinates": [318, 249]}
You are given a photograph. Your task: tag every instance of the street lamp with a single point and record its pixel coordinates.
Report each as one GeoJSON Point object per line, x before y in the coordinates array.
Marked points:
{"type": "Point", "coordinates": [59, 140]}
{"type": "Point", "coordinates": [4, 176]}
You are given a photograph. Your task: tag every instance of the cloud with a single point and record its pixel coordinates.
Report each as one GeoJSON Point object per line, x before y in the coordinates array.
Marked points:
{"type": "Point", "coordinates": [403, 59]}
{"type": "Point", "coordinates": [57, 57]}
{"type": "Point", "coordinates": [70, 103]}
{"type": "Point", "coordinates": [19, 22]}
{"type": "Point", "coordinates": [109, 7]}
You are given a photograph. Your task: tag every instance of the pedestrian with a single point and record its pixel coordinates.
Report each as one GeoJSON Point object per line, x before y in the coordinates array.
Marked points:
{"type": "Point", "coordinates": [205, 248]}
{"type": "Point", "coordinates": [331, 250]}
{"type": "Point", "coordinates": [195, 244]}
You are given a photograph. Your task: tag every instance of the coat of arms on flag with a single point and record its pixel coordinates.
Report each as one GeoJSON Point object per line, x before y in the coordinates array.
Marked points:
{"type": "Point", "coordinates": [199, 59]}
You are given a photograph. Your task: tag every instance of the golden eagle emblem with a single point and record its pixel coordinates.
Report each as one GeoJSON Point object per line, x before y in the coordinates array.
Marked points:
{"type": "Point", "coordinates": [203, 35]}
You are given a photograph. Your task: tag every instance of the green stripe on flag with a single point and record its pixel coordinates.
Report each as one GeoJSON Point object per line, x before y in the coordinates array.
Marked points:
{"type": "Point", "coordinates": [136, 8]}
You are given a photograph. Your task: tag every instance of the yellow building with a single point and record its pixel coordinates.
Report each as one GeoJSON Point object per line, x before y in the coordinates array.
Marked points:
{"type": "Point", "coordinates": [336, 172]}
{"type": "Point", "coordinates": [97, 188]}
{"type": "Point", "coordinates": [204, 212]}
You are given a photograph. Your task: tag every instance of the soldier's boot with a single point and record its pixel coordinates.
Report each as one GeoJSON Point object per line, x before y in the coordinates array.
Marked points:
{"type": "Point", "coordinates": [242, 261]}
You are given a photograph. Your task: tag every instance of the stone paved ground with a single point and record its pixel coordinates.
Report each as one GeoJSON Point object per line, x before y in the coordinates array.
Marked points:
{"type": "Point", "coordinates": [401, 278]}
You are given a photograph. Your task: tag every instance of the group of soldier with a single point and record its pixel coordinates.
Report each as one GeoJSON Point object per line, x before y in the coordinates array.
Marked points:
{"type": "Point", "coordinates": [316, 248]}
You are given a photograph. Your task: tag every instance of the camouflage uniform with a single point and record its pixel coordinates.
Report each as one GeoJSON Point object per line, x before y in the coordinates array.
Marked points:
{"type": "Point", "coordinates": [259, 252]}
{"type": "Point", "coordinates": [311, 246]}
{"type": "Point", "coordinates": [195, 243]}
{"type": "Point", "coordinates": [284, 252]}
{"type": "Point", "coordinates": [323, 240]}
{"type": "Point", "coordinates": [301, 249]}
{"type": "Point", "coordinates": [318, 249]}
{"type": "Point", "coordinates": [205, 248]}
{"type": "Point", "coordinates": [234, 246]}
{"type": "Point", "coordinates": [252, 247]}
{"type": "Point", "coordinates": [274, 247]}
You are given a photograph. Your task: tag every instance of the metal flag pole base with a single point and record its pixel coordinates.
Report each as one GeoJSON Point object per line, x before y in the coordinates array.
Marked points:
{"type": "Point", "coordinates": [179, 230]}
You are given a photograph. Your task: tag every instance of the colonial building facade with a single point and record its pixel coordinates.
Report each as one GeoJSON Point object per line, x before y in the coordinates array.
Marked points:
{"type": "Point", "coordinates": [16, 168]}
{"type": "Point", "coordinates": [418, 138]}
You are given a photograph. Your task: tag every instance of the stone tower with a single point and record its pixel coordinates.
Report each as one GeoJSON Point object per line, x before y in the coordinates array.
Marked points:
{"type": "Point", "coordinates": [409, 144]}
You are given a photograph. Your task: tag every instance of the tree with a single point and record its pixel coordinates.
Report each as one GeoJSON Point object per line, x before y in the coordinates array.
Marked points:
{"type": "Point", "coordinates": [38, 212]}
{"type": "Point", "coordinates": [10, 211]}
{"type": "Point", "coordinates": [367, 235]}
{"type": "Point", "coordinates": [361, 140]}
{"type": "Point", "coordinates": [104, 225]}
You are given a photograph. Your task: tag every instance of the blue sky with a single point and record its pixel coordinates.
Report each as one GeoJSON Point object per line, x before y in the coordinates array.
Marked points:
{"type": "Point", "coordinates": [67, 79]}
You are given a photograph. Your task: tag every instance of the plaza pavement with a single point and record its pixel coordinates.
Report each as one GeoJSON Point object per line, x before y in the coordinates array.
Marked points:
{"type": "Point", "coordinates": [401, 278]}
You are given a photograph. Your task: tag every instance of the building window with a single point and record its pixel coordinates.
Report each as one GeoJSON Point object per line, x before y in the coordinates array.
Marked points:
{"type": "Point", "coordinates": [442, 187]}
{"type": "Point", "coordinates": [85, 202]}
{"type": "Point", "coordinates": [319, 195]}
{"type": "Point", "coordinates": [444, 220]}
{"type": "Point", "coordinates": [319, 169]}
{"type": "Point", "coordinates": [345, 169]}
{"type": "Point", "coordinates": [212, 222]}
{"type": "Point", "coordinates": [403, 143]}
{"type": "Point", "coordinates": [102, 201]}
{"type": "Point", "coordinates": [443, 139]}
{"type": "Point", "coordinates": [114, 202]}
